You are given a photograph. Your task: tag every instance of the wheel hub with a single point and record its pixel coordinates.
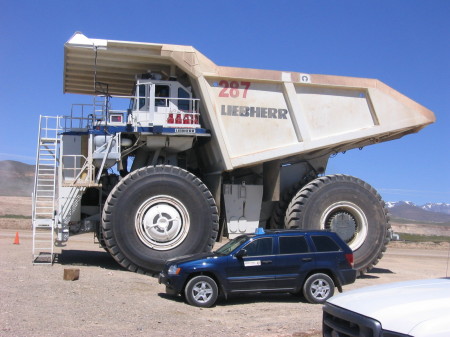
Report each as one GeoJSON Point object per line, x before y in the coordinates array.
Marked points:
{"type": "Point", "coordinates": [202, 292]}
{"type": "Point", "coordinates": [348, 221]}
{"type": "Point", "coordinates": [162, 222]}
{"type": "Point", "coordinates": [344, 224]}
{"type": "Point", "coordinates": [320, 289]}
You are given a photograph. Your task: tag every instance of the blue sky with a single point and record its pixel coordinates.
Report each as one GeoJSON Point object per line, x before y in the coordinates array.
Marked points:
{"type": "Point", "coordinates": [405, 44]}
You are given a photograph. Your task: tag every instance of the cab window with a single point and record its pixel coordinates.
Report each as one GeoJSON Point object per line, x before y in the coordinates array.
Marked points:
{"type": "Point", "coordinates": [183, 104]}
{"type": "Point", "coordinates": [161, 95]}
{"type": "Point", "coordinates": [141, 95]}
{"type": "Point", "coordinates": [260, 247]}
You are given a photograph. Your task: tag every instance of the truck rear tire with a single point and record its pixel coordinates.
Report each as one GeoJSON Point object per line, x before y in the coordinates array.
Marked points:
{"type": "Point", "coordinates": [279, 210]}
{"type": "Point", "coordinates": [348, 206]}
{"type": "Point", "coordinates": [157, 213]}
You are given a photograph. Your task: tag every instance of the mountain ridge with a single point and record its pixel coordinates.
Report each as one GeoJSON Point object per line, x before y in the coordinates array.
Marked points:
{"type": "Point", "coordinates": [430, 212]}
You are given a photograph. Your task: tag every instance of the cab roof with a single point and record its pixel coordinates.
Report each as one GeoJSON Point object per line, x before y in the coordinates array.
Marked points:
{"type": "Point", "coordinates": [117, 63]}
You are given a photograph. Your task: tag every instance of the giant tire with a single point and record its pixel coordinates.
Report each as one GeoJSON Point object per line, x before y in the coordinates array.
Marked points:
{"type": "Point", "coordinates": [157, 213]}
{"type": "Point", "coordinates": [348, 206]}
{"type": "Point", "coordinates": [279, 210]}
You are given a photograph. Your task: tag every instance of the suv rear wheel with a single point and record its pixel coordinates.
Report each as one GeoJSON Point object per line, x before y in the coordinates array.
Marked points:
{"type": "Point", "coordinates": [318, 288]}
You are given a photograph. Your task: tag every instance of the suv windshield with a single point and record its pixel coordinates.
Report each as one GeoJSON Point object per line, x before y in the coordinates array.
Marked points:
{"type": "Point", "coordinates": [232, 245]}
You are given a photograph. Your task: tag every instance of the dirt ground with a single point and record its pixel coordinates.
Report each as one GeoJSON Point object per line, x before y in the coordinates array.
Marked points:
{"type": "Point", "coordinates": [109, 301]}
{"type": "Point", "coordinates": [15, 205]}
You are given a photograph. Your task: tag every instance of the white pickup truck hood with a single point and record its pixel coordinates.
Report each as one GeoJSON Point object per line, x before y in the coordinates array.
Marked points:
{"type": "Point", "coordinates": [418, 308]}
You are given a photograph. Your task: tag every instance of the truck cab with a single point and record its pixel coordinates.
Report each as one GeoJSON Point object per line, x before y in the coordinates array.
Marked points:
{"type": "Point", "coordinates": [157, 102]}
{"type": "Point", "coordinates": [166, 103]}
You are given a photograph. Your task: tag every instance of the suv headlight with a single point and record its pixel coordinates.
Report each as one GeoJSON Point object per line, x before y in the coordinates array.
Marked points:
{"type": "Point", "coordinates": [173, 270]}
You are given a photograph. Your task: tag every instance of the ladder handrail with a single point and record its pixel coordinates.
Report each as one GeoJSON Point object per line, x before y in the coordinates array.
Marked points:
{"type": "Point", "coordinates": [44, 129]}
{"type": "Point", "coordinates": [44, 190]}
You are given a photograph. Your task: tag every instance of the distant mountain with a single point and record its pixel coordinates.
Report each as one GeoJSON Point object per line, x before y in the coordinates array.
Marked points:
{"type": "Point", "coordinates": [435, 213]}
{"type": "Point", "coordinates": [16, 178]}
{"type": "Point", "coordinates": [439, 207]}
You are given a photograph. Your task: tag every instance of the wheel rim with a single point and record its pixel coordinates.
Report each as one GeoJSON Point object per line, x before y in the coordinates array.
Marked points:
{"type": "Point", "coordinates": [320, 289]}
{"type": "Point", "coordinates": [202, 292]}
{"type": "Point", "coordinates": [348, 221]}
{"type": "Point", "coordinates": [162, 222]}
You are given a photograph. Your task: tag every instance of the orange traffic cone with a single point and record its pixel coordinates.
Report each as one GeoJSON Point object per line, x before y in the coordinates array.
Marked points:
{"type": "Point", "coordinates": [16, 240]}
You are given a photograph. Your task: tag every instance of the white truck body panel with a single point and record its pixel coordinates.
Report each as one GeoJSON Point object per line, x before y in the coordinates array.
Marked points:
{"type": "Point", "coordinates": [418, 308]}
{"type": "Point", "coordinates": [242, 207]}
{"type": "Point", "coordinates": [256, 115]}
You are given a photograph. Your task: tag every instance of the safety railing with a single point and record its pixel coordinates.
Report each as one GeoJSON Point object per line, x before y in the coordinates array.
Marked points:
{"type": "Point", "coordinates": [186, 116]}
{"type": "Point", "coordinates": [168, 112]}
{"type": "Point", "coordinates": [49, 127]}
{"type": "Point", "coordinates": [77, 171]}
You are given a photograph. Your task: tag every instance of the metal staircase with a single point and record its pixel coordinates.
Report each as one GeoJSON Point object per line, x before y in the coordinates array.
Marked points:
{"type": "Point", "coordinates": [44, 195]}
{"type": "Point", "coordinates": [62, 174]}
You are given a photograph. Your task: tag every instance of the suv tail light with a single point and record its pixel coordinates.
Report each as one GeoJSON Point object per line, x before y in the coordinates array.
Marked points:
{"type": "Point", "coordinates": [349, 258]}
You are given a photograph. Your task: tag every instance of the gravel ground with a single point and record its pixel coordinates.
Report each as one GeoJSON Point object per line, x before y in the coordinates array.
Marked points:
{"type": "Point", "coordinates": [109, 301]}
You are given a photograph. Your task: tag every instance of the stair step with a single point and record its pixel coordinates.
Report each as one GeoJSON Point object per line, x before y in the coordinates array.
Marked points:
{"type": "Point", "coordinates": [43, 258]}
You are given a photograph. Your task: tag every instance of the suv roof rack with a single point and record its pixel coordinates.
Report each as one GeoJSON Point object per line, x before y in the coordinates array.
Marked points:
{"type": "Point", "coordinates": [260, 230]}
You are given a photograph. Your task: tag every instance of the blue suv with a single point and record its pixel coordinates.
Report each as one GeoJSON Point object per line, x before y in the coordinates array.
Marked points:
{"type": "Point", "coordinates": [295, 261]}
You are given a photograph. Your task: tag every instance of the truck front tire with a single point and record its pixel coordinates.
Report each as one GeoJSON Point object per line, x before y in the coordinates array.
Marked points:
{"type": "Point", "coordinates": [348, 206]}
{"type": "Point", "coordinates": [157, 213]}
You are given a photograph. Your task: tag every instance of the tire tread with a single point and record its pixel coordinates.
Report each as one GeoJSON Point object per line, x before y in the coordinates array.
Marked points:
{"type": "Point", "coordinates": [111, 201]}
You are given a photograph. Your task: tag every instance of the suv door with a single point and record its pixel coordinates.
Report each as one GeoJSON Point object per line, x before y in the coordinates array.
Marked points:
{"type": "Point", "coordinates": [294, 262]}
{"type": "Point", "coordinates": [254, 271]}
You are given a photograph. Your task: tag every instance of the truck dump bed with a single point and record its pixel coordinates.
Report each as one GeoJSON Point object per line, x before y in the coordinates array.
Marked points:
{"type": "Point", "coordinates": [255, 115]}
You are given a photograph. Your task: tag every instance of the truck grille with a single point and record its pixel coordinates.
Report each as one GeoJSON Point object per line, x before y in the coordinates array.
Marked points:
{"type": "Point", "coordinates": [338, 322]}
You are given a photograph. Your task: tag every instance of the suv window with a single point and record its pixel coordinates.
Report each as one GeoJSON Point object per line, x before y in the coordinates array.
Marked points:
{"type": "Point", "coordinates": [260, 247]}
{"type": "Point", "coordinates": [325, 244]}
{"type": "Point", "coordinates": [293, 245]}
{"type": "Point", "coordinates": [232, 245]}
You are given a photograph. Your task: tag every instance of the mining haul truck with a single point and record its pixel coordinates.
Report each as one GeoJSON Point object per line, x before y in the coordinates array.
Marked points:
{"type": "Point", "coordinates": [175, 152]}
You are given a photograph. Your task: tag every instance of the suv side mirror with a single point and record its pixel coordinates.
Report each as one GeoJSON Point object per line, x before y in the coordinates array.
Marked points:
{"type": "Point", "coordinates": [240, 254]}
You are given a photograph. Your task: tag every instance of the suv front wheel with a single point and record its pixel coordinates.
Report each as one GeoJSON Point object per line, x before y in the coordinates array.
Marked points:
{"type": "Point", "coordinates": [201, 291]}
{"type": "Point", "coordinates": [318, 288]}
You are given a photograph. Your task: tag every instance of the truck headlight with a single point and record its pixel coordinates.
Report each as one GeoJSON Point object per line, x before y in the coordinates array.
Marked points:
{"type": "Point", "coordinates": [173, 270]}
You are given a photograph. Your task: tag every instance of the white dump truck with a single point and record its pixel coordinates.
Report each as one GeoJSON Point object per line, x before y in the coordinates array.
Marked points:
{"type": "Point", "coordinates": [176, 151]}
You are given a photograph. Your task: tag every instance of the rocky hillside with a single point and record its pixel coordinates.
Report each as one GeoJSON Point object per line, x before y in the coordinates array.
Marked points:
{"type": "Point", "coordinates": [16, 178]}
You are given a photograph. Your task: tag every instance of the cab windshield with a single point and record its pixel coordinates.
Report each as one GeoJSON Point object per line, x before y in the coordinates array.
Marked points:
{"type": "Point", "coordinates": [232, 245]}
